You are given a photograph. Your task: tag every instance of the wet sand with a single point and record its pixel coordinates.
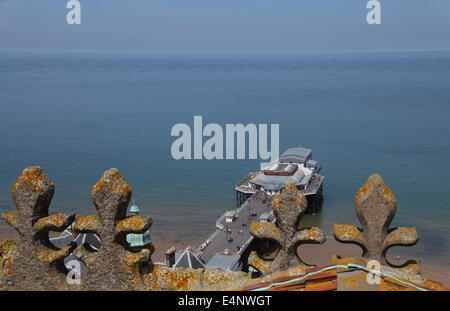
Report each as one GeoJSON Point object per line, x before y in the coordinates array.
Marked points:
{"type": "Point", "coordinates": [310, 253]}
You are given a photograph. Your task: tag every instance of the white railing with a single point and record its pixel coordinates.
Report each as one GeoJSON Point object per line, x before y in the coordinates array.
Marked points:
{"type": "Point", "coordinates": [245, 245]}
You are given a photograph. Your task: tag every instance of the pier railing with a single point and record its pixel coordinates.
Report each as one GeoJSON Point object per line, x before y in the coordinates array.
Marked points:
{"type": "Point", "coordinates": [246, 179]}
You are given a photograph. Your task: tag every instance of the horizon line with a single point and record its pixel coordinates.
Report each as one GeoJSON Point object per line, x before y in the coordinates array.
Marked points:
{"type": "Point", "coordinates": [106, 50]}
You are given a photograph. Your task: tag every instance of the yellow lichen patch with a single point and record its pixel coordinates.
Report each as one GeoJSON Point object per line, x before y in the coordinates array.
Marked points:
{"type": "Point", "coordinates": [354, 280]}
{"type": "Point", "coordinates": [402, 235]}
{"type": "Point", "coordinates": [431, 285]}
{"type": "Point", "coordinates": [347, 233]}
{"type": "Point", "coordinates": [6, 245]}
{"type": "Point", "coordinates": [265, 230]}
{"type": "Point", "coordinates": [311, 234]}
{"type": "Point", "coordinates": [222, 280]}
{"type": "Point", "coordinates": [57, 220]}
{"type": "Point", "coordinates": [388, 284]}
{"type": "Point", "coordinates": [90, 222]}
{"type": "Point", "coordinates": [388, 195]}
{"type": "Point", "coordinates": [290, 193]}
{"type": "Point", "coordinates": [343, 261]}
{"type": "Point", "coordinates": [114, 181]}
{"type": "Point", "coordinates": [131, 260]}
{"type": "Point", "coordinates": [49, 255]}
{"type": "Point", "coordinates": [11, 217]}
{"type": "Point", "coordinates": [294, 271]}
{"type": "Point", "coordinates": [7, 249]}
{"type": "Point", "coordinates": [162, 278]}
{"type": "Point", "coordinates": [411, 269]}
{"type": "Point", "coordinates": [132, 224]}
{"type": "Point", "coordinates": [35, 177]}
{"type": "Point", "coordinates": [362, 191]}
{"type": "Point", "coordinates": [374, 184]}
{"type": "Point", "coordinates": [261, 265]}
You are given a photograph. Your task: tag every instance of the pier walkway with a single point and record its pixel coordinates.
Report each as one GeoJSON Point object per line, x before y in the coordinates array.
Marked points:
{"type": "Point", "coordinates": [235, 236]}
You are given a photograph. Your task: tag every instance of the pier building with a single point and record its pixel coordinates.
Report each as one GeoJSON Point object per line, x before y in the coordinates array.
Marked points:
{"type": "Point", "coordinates": [296, 164]}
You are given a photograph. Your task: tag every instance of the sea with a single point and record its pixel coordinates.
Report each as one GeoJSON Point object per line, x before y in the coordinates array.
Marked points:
{"type": "Point", "coordinates": [77, 114]}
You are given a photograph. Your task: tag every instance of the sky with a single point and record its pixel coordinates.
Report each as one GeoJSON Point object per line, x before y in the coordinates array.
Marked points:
{"type": "Point", "coordinates": [163, 25]}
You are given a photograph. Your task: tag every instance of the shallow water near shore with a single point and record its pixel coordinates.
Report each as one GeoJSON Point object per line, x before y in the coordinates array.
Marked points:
{"type": "Point", "coordinates": [77, 115]}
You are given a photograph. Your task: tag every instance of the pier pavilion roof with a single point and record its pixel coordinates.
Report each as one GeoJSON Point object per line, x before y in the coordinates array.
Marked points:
{"type": "Point", "coordinates": [296, 155]}
{"type": "Point", "coordinates": [277, 182]}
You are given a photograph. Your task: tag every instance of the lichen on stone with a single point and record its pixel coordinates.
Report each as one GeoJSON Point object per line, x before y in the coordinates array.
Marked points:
{"type": "Point", "coordinates": [115, 263]}
{"type": "Point", "coordinates": [375, 206]}
{"type": "Point", "coordinates": [288, 208]}
{"type": "Point", "coordinates": [32, 263]}
{"type": "Point", "coordinates": [33, 257]}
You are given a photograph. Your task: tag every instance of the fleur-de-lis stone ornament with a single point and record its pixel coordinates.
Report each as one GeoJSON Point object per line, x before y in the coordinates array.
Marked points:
{"type": "Point", "coordinates": [288, 208]}
{"type": "Point", "coordinates": [36, 264]}
{"type": "Point", "coordinates": [115, 266]}
{"type": "Point", "coordinates": [375, 207]}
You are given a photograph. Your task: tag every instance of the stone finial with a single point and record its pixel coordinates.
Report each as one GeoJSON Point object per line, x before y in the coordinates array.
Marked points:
{"type": "Point", "coordinates": [34, 257]}
{"type": "Point", "coordinates": [288, 208]}
{"type": "Point", "coordinates": [375, 207]}
{"type": "Point", "coordinates": [115, 266]}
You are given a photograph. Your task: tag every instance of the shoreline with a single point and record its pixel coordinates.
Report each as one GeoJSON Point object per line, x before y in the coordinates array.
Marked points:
{"type": "Point", "coordinates": [319, 255]}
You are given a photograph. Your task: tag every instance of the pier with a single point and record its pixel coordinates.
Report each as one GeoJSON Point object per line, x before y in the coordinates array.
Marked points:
{"type": "Point", "coordinates": [295, 164]}
{"type": "Point", "coordinates": [232, 235]}
{"type": "Point", "coordinates": [225, 247]}
{"type": "Point", "coordinates": [313, 191]}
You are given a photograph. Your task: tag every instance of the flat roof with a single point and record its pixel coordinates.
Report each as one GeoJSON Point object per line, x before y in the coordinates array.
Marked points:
{"type": "Point", "coordinates": [276, 182]}
{"type": "Point", "coordinates": [297, 155]}
{"type": "Point", "coordinates": [224, 262]}
{"type": "Point", "coordinates": [281, 168]}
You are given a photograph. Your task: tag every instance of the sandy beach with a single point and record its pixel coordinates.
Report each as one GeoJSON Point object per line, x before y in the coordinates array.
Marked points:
{"type": "Point", "coordinates": [319, 255]}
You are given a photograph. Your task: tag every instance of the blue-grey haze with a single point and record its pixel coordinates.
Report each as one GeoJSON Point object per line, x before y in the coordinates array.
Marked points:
{"type": "Point", "coordinates": [225, 25]}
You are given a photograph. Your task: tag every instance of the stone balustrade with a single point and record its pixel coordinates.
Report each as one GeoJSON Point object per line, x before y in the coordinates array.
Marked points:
{"type": "Point", "coordinates": [33, 263]}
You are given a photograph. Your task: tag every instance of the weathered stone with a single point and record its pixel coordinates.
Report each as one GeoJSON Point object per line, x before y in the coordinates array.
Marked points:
{"type": "Point", "coordinates": [288, 208]}
{"type": "Point", "coordinates": [7, 251]}
{"type": "Point", "coordinates": [115, 266]}
{"type": "Point", "coordinates": [357, 280]}
{"type": "Point", "coordinates": [375, 207]}
{"type": "Point", "coordinates": [33, 263]}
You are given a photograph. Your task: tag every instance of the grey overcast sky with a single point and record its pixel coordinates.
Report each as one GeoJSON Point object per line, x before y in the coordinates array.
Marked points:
{"type": "Point", "coordinates": [225, 25]}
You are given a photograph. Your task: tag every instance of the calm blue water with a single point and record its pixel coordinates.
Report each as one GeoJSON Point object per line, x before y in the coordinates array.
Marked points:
{"type": "Point", "coordinates": [77, 115]}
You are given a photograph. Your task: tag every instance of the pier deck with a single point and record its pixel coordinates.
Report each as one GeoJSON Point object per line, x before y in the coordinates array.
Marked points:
{"type": "Point", "coordinates": [256, 202]}
{"type": "Point", "coordinates": [314, 185]}
{"type": "Point", "coordinates": [312, 189]}
{"type": "Point", "coordinates": [259, 204]}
